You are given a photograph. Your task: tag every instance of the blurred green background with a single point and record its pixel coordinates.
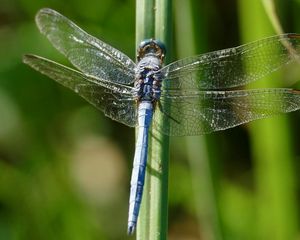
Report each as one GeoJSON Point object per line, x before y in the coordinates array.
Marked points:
{"type": "Point", "coordinates": [65, 167]}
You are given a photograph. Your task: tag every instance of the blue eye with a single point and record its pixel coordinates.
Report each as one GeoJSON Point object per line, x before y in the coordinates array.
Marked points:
{"type": "Point", "coordinates": [161, 45]}
{"type": "Point", "coordinates": [152, 45]}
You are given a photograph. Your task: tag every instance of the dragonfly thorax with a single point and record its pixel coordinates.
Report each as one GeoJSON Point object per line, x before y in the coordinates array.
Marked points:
{"type": "Point", "coordinates": [150, 56]}
{"type": "Point", "coordinates": [148, 78]}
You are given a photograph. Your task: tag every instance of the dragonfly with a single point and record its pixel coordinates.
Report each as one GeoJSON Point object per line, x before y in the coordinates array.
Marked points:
{"type": "Point", "coordinates": [192, 96]}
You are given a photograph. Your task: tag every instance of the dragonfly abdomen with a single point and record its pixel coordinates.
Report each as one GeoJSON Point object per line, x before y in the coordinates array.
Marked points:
{"type": "Point", "coordinates": [145, 113]}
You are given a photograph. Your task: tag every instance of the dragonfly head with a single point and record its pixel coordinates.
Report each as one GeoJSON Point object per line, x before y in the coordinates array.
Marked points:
{"type": "Point", "coordinates": [151, 47]}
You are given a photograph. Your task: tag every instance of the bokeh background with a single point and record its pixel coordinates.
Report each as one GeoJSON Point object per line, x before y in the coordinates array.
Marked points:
{"type": "Point", "coordinates": [65, 167]}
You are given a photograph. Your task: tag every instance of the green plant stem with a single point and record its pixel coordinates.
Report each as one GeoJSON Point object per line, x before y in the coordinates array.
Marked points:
{"type": "Point", "coordinates": [153, 21]}
{"type": "Point", "coordinates": [145, 15]}
{"type": "Point", "coordinates": [202, 171]}
{"type": "Point", "coordinates": [270, 9]}
{"type": "Point", "coordinates": [271, 148]}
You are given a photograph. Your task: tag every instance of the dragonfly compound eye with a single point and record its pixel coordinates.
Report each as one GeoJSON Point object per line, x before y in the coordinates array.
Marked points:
{"type": "Point", "coordinates": [151, 46]}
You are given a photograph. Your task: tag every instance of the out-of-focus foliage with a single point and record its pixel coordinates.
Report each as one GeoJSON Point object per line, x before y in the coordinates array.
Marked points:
{"type": "Point", "coordinates": [65, 167]}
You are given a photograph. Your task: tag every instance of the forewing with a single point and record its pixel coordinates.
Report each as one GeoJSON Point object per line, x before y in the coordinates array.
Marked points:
{"type": "Point", "coordinates": [232, 67]}
{"type": "Point", "coordinates": [203, 112]}
{"type": "Point", "coordinates": [85, 52]}
{"type": "Point", "coordinates": [115, 100]}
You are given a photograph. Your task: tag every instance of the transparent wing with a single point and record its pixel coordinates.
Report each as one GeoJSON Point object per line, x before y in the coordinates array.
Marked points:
{"type": "Point", "coordinates": [208, 111]}
{"type": "Point", "coordinates": [234, 66]}
{"type": "Point", "coordinates": [115, 100]}
{"type": "Point", "coordinates": [87, 53]}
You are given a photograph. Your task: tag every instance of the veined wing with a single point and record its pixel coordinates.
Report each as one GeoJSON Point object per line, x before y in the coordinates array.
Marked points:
{"type": "Point", "coordinates": [232, 67]}
{"type": "Point", "coordinates": [209, 111]}
{"type": "Point", "coordinates": [115, 100]}
{"type": "Point", "coordinates": [87, 53]}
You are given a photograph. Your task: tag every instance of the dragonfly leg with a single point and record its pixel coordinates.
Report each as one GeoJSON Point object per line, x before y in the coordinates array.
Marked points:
{"type": "Point", "coordinates": [162, 110]}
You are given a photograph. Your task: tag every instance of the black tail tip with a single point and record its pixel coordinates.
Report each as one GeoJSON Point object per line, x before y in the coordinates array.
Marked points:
{"type": "Point", "coordinates": [131, 229]}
